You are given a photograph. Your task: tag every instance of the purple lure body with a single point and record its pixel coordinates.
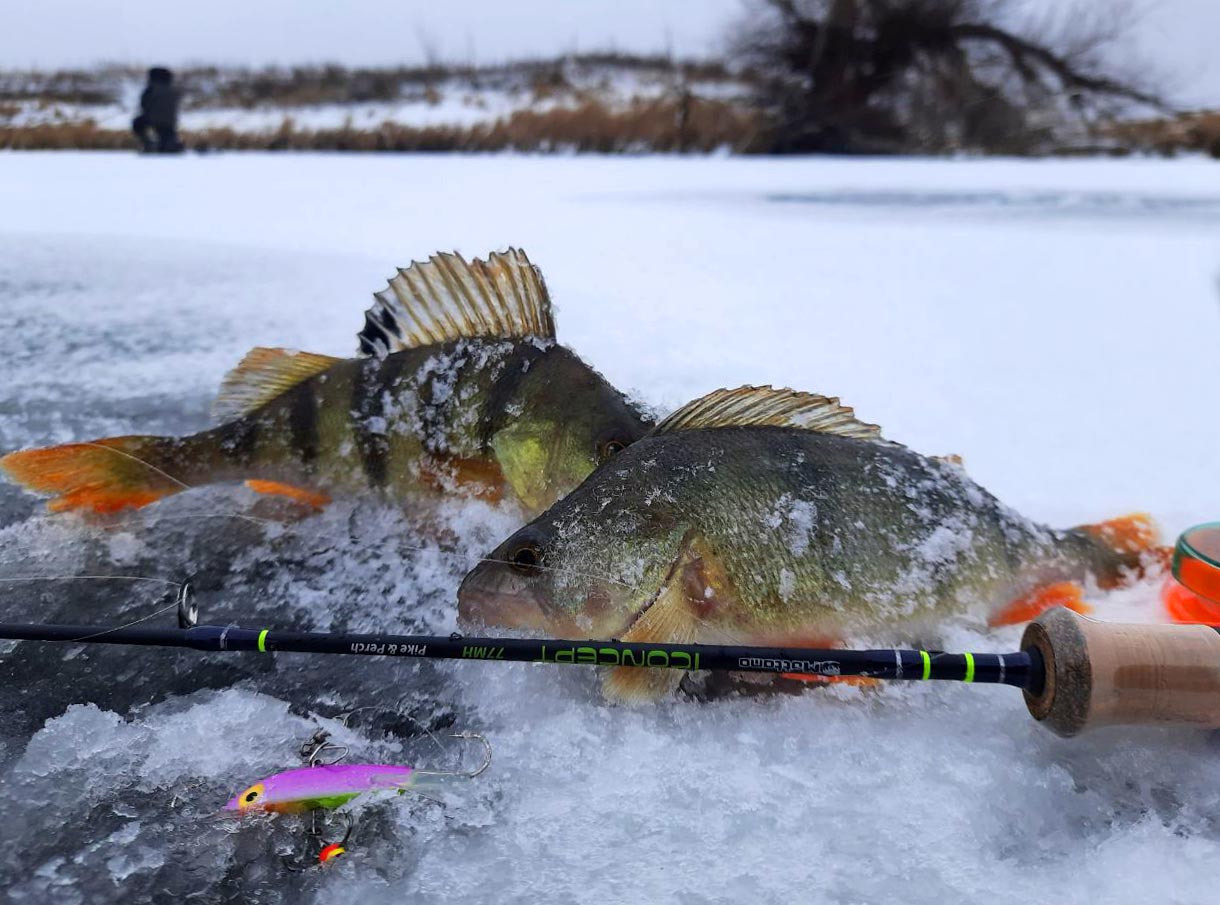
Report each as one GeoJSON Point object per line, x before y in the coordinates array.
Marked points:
{"type": "Point", "coordinates": [306, 788]}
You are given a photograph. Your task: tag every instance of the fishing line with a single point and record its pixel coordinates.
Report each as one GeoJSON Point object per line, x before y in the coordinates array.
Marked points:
{"type": "Point", "coordinates": [197, 515]}
{"type": "Point", "coordinates": [149, 465]}
{"type": "Point", "coordinates": [468, 558]}
{"type": "Point", "coordinates": [317, 534]}
{"type": "Point", "coordinates": [125, 625]}
{"type": "Point", "coordinates": [179, 585]}
{"type": "Point", "coordinates": [293, 530]}
{"type": "Point", "coordinates": [176, 584]}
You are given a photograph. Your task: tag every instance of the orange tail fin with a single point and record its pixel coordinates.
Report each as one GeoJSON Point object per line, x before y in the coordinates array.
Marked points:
{"type": "Point", "coordinates": [1037, 601]}
{"type": "Point", "coordinates": [1131, 543]}
{"type": "Point", "coordinates": [100, 476]}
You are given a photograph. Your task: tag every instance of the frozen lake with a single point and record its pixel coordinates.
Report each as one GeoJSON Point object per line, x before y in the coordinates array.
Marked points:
{"type": "Point", "coordinates": [1054, 323]}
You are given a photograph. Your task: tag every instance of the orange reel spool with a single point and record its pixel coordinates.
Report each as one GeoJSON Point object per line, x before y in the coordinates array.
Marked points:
{"type": "Point", "coordinates": [1192, 594]}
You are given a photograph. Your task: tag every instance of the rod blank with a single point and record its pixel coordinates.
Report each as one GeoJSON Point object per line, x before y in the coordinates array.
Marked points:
{"type": "Point", "coordinates": [1007, 669]}
{"type": "Point", "coordinates": [1076, 674]}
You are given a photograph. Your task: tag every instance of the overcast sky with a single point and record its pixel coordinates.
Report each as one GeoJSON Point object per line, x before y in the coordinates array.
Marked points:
{"type": "Point", "coordinates": [1179, 36]}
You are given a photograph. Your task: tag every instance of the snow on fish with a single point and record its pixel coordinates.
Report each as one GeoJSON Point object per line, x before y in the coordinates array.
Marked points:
{"type": "Point", "coordinates": [763, 516]}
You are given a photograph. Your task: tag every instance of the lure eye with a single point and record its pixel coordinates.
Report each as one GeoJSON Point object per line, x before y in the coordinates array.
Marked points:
{"type": "Point", "coordinates": [526, 559]}
{"type": "Point", "coordinates": [608, 448]}
{"type": "Point", "coordinates": [251, 795]}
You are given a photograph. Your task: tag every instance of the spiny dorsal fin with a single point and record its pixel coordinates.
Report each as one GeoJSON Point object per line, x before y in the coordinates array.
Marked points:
{"type": "Point", "coordinates": [447, 298]}
{"type": "Point", "coordinates": [261, 376]}
{"type": "Point", "coordinates": [766, 406]}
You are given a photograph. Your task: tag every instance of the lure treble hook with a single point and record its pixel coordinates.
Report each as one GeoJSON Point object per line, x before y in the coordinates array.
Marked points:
{"type": "Point", "coordinates": [318, 744]}
{"type": "Point", "coordinates": [325, 784]}
{"type": "Point", "coordinates": [464, 774]}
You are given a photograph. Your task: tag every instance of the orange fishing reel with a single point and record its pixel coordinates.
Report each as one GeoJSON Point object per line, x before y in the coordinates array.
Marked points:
{"type": "Point", "coordinates": [1192, 592]}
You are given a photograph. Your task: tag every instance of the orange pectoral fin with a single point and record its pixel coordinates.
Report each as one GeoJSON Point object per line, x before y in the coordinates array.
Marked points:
{"type": "Point", "coordinates": [858, 681]}
{"type": "Point", "coordinates": [821, 643]}
{"type": "Point", "coordinates": [1039, 600]}
{"type": "Point", "coordinates": [311, 498]}
{"type": "Point", "coordinates": [481, 478]}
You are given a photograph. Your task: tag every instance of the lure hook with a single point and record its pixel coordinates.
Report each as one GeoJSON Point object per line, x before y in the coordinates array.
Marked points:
{"type": "Point", "coordinates": [465, 774]}
{"type": "Point", "coordinates": [318, 851]}
{"type": "Point", "coordinates": [465, 736]}
{"type": "Point", "coordinates": [314, 749]}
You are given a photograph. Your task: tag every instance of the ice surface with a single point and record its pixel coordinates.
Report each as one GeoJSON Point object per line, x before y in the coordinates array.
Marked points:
{"type": "Point", "coordinates": [1054, 323]}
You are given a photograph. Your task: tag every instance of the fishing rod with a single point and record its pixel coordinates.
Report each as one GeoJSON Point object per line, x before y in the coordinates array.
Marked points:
{"type": "Point", "coordinates": [1075, 673]}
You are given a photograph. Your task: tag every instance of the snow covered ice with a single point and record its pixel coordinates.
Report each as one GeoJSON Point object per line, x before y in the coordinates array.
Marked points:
{"type": "Point", "coordinates": [1054, 323]}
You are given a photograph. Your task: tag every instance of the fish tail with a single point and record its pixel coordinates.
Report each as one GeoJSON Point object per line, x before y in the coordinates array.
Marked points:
{"type": "Point", "coordinates": [100, 476]}
{"type": "Point", "coordinates": [1038, 600]}
{"type": "Point", "coordinates": [1122, 550]}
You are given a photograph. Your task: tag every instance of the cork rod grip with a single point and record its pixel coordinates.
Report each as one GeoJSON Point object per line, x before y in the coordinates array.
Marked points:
{"type": "Point", "coordinates": [1105, 674]}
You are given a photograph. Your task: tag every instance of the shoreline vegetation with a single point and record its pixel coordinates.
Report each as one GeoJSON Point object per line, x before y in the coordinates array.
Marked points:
{"type": "Point", "coordinates": [601, 103]}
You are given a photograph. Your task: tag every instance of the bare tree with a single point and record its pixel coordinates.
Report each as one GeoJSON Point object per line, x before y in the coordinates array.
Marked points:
{"type": "Point", "coordinates": [885, 76]}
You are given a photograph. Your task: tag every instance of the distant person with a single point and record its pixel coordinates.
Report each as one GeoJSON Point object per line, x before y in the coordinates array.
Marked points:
{"type": "Point", "coordinates": [159, 113]}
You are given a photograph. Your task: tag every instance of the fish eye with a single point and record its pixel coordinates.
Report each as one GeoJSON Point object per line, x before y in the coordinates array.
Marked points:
{"type": "Point", "coordinates": [608, 448]}
{"type": "Point", "coordinates": [251, 795]}
{"type": "Point", "coordinates": [526, 558]}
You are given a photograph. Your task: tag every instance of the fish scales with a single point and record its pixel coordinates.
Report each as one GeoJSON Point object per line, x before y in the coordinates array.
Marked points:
{"type": "Point", "coordinates": [808, 524]}
{"type": "Point", "coordinates": [364, 422]}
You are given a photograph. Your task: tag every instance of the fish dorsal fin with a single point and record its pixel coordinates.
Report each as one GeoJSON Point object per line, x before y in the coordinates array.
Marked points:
{"type": "Point", "coordinates": [750, 406]}
{"type": "Point", "coordinates": [447, 298]}
{"type": "Point", "coordinates": [261, 376]}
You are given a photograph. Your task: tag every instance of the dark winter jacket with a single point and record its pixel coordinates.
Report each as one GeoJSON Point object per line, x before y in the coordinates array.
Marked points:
{"type": "Point", "coordinates": [159, 104]}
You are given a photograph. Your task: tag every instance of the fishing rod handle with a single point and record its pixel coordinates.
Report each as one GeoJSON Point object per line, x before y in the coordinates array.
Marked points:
{"type": "Point", "coordinates": [1110, 674]}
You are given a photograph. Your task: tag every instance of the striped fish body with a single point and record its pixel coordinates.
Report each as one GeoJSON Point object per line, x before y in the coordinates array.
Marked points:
{"type": "Point", "coordinates": [416, 421]}
{"type": "Point", "coordinates": [462, 388]}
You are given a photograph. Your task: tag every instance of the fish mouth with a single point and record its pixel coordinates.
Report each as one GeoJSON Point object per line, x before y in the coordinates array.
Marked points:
{"type": "Point", "coordinates": [487, 600]}
{"type": "Point", "coordinates": [480, 608]}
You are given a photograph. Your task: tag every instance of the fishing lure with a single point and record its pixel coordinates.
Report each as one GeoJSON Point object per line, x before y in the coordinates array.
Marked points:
{"type": "Point", "coordinates": [325, 785]}
{"type": "Point", "coordinates": [322, 786]}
